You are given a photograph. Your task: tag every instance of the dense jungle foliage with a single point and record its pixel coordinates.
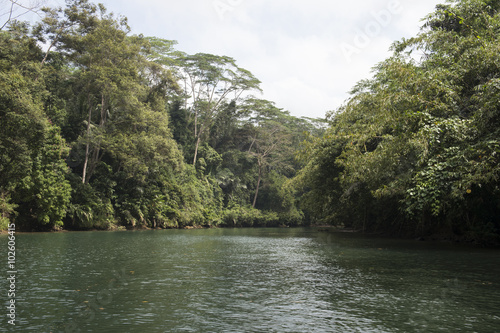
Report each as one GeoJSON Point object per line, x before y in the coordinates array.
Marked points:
{"type": "Point", "coordinates": [103, 129]}
{"type": "Point", "coordinates": [416, 149]}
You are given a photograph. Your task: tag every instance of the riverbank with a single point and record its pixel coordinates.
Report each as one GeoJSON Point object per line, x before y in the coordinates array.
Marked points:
{"type": "Point", "coordinates": [433, 238]}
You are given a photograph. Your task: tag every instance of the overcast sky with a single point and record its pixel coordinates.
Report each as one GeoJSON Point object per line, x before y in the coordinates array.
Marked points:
{"type": "Point", "coordinates": [307, 53]}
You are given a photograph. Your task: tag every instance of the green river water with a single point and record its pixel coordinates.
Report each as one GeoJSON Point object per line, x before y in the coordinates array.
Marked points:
{"type": "Point", "coordinates": [249, 280]}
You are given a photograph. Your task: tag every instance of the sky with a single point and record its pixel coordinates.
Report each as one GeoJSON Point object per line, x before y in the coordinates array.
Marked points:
{"type": "Point", "coordinates": [308, 54]}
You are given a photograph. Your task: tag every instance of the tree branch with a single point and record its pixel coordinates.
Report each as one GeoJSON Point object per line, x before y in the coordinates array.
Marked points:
{"type": "Point", "coordinates": [33, 8]}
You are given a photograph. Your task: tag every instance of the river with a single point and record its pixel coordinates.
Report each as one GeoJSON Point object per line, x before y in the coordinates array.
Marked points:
{"type": "Point", "coordinates": [250, 280]}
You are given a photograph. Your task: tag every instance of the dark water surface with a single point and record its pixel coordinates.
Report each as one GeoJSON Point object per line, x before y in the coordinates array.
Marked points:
{"type": "Point", "coordinates": [250, 280]}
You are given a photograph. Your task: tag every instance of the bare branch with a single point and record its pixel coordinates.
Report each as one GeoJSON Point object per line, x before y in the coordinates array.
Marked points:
{"type": "Point", "coordinates": [16, 5]}
{"type": "Point", "coordinates": [10, 16]}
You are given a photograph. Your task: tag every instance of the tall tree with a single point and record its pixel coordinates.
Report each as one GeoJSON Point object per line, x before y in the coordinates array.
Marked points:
{"type": "Point", "coordinates": [113, 75]}
{"type": "Point", "coordinates": [269, 137]}
{"type": "Point", "coordinates": [116, 100]}
{"type": "Point", "coordinates": [33, 186]}
{"type": "Point", "coordinates": [208, 81]}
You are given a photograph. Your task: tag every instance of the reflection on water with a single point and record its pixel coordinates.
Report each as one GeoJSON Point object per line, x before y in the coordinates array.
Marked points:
{"type": "Point", "coordinates": [251, 280]}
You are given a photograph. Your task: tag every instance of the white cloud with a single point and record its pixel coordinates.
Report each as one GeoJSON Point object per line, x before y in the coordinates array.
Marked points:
{"type": "Point", "coordinates": [292, 46]}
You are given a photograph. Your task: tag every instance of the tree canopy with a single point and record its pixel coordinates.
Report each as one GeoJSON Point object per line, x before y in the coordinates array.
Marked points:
{"type": "Point", "coordinates": [417, 146]}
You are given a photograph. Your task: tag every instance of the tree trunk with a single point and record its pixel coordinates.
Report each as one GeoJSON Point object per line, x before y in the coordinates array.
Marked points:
{"type": "Point", "coordinates": [48, 51]}
{"type": "Point", "coordinates": [87, 146]}
{"type": "Point", "coordinates": [196, 150]}
{"type": "Point", "coordinates": [91, 161]}
{"type": "Point", "coordinates": [258, 185]}
{"type": "Point", "coordinates": [251, 145]}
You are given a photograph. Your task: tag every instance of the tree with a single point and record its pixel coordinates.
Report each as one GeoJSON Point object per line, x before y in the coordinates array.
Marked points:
{"type": "Point", "coordinates": [269, 136]}
{"type": "Point", "coordinates": [267, 140]}
{"type": "Point", "coordinates": [208, 81]}
{"type": "Point", "coordinates": [116, 99]}
{"type": "Point", "coordinates": [115, 84]}
{"type": "Point", "coordinates": [33, 188]}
